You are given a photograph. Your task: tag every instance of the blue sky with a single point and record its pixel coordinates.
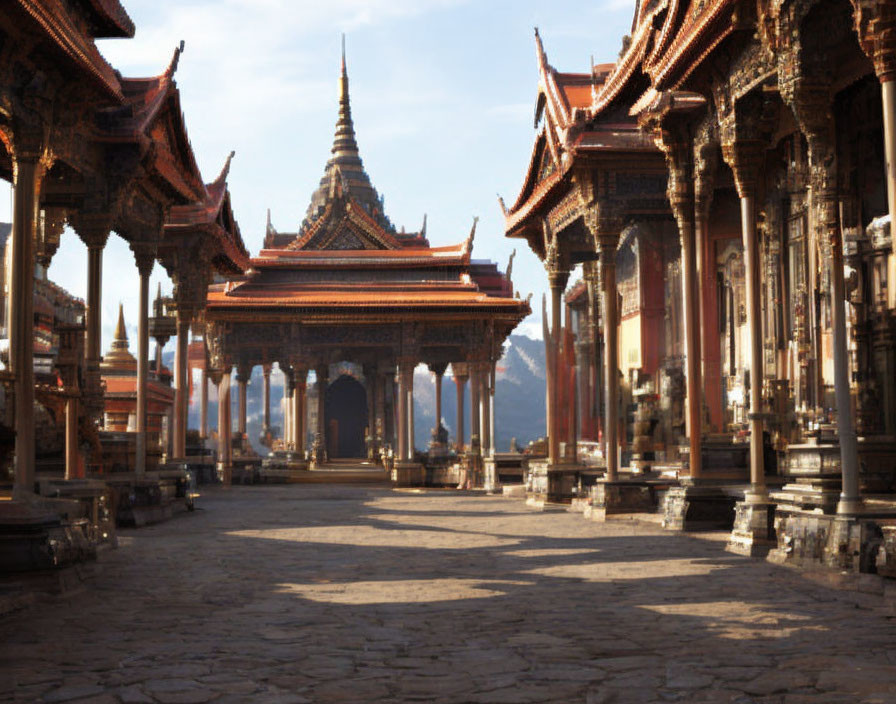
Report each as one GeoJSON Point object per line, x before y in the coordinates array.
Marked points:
{"type": "Point", "coordinates": [442, 98]}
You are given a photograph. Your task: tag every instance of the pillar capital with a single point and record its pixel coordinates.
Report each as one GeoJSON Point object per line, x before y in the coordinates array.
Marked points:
{"type": "Point", "coordinates": [438, 368]}
{"type": "Point", "coordinates": [92, 227]}
{"type": "Point", "coordinates": [144, 256]}
{"type": "Point", "coordinates": [460, 371]}
{"type": "Point", "coordinates": [243, 372]}
{"type": "Point", "coordinates": [52, 223]}
{"type": "Point", "coordinates": [875, 24]}
{"type": "Point", "coordinates": [300, 373]}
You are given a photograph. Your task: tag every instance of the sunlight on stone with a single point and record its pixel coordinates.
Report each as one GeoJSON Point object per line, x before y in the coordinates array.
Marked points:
{"type": "Point", "coordinates": [377, 537]}
{"type": "Point", "coordinates": [500, 524]}
{"type": "Point", "coordinates": [550, 552]}
{"type": "Point", "coordinates": [405, 591]}
{"type": "Point", "coordinates": [739, 620]}
{"type": "Point", "coordinates": [610, 571]}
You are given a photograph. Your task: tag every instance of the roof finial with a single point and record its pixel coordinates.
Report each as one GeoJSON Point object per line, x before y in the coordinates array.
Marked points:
{"type": "Point", "coordinates": [468, 247]}
{"type": "Point", "coordinates": [539, 51]}
{"type": "Point", "coordinates": [226, 169]}
{"type": "Point", "coordinates": [121, 333]}
{"type": "Point", "coordinates": [423, 229]}
{"type": "Point", "coordinates": [172, 67]}
{"type": "Point", "coordinates": [344, 143]}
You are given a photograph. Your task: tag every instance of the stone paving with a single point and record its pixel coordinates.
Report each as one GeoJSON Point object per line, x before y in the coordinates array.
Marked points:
{"type": "Point", "coordinates": [367, 594]}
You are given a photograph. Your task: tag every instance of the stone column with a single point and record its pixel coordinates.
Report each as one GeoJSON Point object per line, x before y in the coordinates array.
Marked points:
{"type": "Point", "coordinates": [705, 162]}
{"type": "Point", "coordinates": [460, 380]}
{"type": "Point", "coordinates": [145, 263]}
{"type": "Point", "coordinates": [678, 148]}
{"type": "Point", "coordinates": [370, 376]}
{"type": "Point", "coordinates": [611, 357]}
{"type": "Point", "coordinates": [300, 381]}
{"type": "Point", "coordinates": [558, 275]}
{"type": "Point", "coordinates": [380, 434]}
{"type": "Point", "coordinates": [224, 444]}
{"type": "Point", "coordinates": [72, 455]}
{"type": "Point", "coordinates": [182, 391]}
{"type": "Point", "coordinates": [875, 23]}
{"type": "Point", "coordinates": [27, 179]}
{"type": "Point", "coordinates": [439, 372]}
{"type": "Point", "coordinates": [403, 422]}
{"type": "Point", "coordinates": [203, 405]}
{"type": "Point", "coordinates": [485, 409]}
{"type": "Point", "coordinates": [266, 375]}
{"type": "Point", "coordinates": [475, 402]}
{"type": "Point", "coordinates": [745, 159]}
{"type": "Point", "coordinates": [491, 406]}
{"type": "Point", "coordinates": [410, 389]}
{"type": "Point", "coordinates": [288, 391]}
{"type": "Point", "coordinates": [322, 373]}
{"type": "Point", "coordinates": [243, 374]}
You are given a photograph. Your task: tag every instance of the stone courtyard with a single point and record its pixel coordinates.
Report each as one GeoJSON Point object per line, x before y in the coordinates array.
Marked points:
{"type": "Point", "coordinates": [367, 594]}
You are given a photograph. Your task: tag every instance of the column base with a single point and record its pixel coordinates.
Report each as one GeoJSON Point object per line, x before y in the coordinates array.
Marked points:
{"type": "Point", "coordinates": [35, 538]}
{"type": "Point", "coordinates": [845, 543]}
{"type": "Point", "coordinates": [408, 473]}
{"type": "Point", "coordinates": [551, 483]}
{"type": "Point", "coordinates": [698, 507]}
{"type": "Point", "coordinates": [491, 481]}
{"type": "Point", "coordinates": [620, 497]}
{"type": "Point", "coordinates": [754, 529]}
{"type": "Point", "coordinates": [224, 473]}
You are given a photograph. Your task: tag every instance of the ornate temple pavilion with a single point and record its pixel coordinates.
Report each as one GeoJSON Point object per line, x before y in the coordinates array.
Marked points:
{"type": "Point", "coordinates": [351, 297]}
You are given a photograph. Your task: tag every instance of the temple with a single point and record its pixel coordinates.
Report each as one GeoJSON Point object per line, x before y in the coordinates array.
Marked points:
{"type": "Point", "coordinates": [350, 298]}
{"type": "Point", "coordinates": [725, 188]}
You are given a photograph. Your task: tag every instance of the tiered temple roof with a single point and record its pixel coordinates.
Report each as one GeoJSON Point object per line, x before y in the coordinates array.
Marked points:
{"type": "Point", "coordinates": [347, 255]}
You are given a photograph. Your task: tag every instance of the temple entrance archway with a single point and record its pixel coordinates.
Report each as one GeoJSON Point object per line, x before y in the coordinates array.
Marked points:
{"type": "Point", "coordinates": [346, 418]}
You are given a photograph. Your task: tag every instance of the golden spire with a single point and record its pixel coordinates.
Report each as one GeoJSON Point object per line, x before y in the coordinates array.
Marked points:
{"type": "Point", "coordinates": [119, 358]}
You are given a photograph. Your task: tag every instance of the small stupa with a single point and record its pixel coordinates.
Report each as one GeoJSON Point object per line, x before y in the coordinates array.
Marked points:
{"type": "Point", "coordinates": [119, 359]}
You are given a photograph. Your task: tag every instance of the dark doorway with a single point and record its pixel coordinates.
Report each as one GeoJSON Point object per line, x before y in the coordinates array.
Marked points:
{"type": "Point", "coordinates": [346, 418]}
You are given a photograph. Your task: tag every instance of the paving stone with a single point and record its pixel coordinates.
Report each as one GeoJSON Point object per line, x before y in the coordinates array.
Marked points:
{"type": "Point", "coordinates": [69, 692]}
{"type": "Point", "coordinates": [454, 599]}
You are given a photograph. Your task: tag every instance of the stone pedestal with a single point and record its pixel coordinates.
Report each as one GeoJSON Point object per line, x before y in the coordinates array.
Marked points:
{"type": "Point", "coordinates": [809, 538]}
{"type": "Point", "coordinates": [408, 473]}
{"type": "Point", "coordinates": [814, 478]}
{"type": "Point", "coordinates": [33, 537]}
{"type": "Point", "coordinates": [754, 529]}
{"type": "Point", "coordinates": [491, 481]}
{"type": "Point", "coordinates": [547, 483]}
{"type": "Point", "coordinates": [698, 507]}
{"type": "Point", "coordinates": [620, 497]}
